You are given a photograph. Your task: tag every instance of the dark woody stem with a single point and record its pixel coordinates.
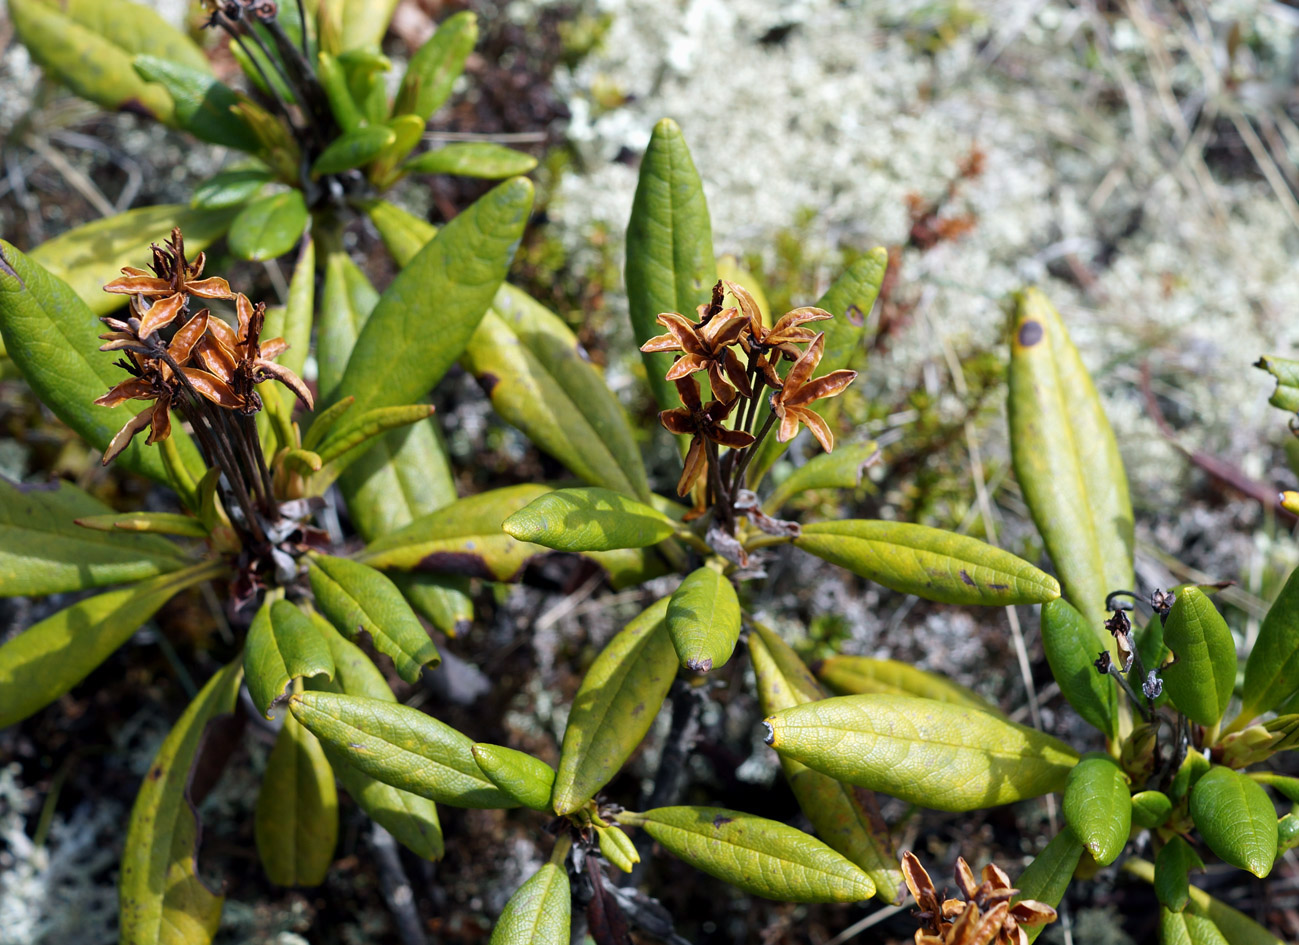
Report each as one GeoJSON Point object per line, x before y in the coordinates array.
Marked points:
{"type": "Point", "coordinates": [259, 459]}
{"type": "Point", "coordinates": [738, 481]}
{"type": "Point", "coordinates": [1136, 699]}
{"type": "Point", "coordinates": [302, 18]}
{"type": "Point", "coordinates": [280, 106]}
{"type": "Point", "coordinates": [721, 498]}
{"type": "Point", "coordinates": [308, 88]}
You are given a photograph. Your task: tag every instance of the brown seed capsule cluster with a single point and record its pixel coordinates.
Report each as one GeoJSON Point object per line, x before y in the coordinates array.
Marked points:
{"type": "Point", "coordinates": [984, 917]}
{"type": "Point", "coordinates": [709, 345]}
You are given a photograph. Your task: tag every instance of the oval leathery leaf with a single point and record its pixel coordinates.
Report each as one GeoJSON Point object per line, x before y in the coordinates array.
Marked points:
{"type": "Point", "coordinates": [365, 22]}
{"type": "Point", "coordinates": [841, 469]}
{"type": "Point", "coordinates": [531, 365]}
{"type": "Point", "coordinates": [857, 675]}
{"type": "Point", "coordinates": [1286, 787]}
{"type": "Point", "coordinates": [443, 600]}
{"type": "Point", "coordinates": [1067, 461]}
{"type": "Point", "coordinates": [436, 65]}
{"type": "Point", "coordinates": [403, 233]}
{"type": "Point", "coordinates": [353, 149]}
{"type": "Point", "coordinates": [1071, 647]}
{"type": "Point", "coordinates": [1272, 670]}
{"type": "Point", "coordinates": [617, 848]}
{"type": "Point", "coordinates": [50, 657]}
{"type": "Point", "coordinates": [1172, 873]}
{"type": "Point", "coordinates": [1236, 819]}
{"type": "Point", "coordinates": [1098, 806]}
{"type": "Point", "coordinates": [36, 306]}
{"type": "Point", "coordinates": [849, 299]}
{"type": "Point", "coordinates": [703, 620]}
{"type": "Point", "coordinates": [295, 822]}
{"type": "Point", "coordinates": [1047, 877]}
{"type": "Point", "coordinates": [400, 746]}
{"type": "Point", "coordinates": [934, 754]}
{"type": "Point", "coordinates": [1187, 928]}
{"type": "Point", "coordinates": [161, 897]}
{"type": "Point", "coordinates": [89, 44]}
{"type": "Point", "coordinates": [334, 82]}
{"type": "Point", "coordinates": [527, 779]}
{"type": "Point", "coordinates": [408, 131]}
{"type": "Point", "coordinates": [43, 549]}
{"type": "Point", "coordinates": [671, 266]}
{"type": "Point", "coordinates": [356, 597]}
{"type": "Point", "coordinates": [88, 256]}
{"type": "Point", "coordinates": [202, 103]}
{"type": "Point", "coordinates": [1238, 928]}
{"type": "Point", "coordinates": [269, 226]}
{"type": "Point", "coordinates": [847, 818]}
{"type": "Point", "coordinates": [1287, 833]}
{"type": "Point", "coordinates": [282, 645]}
{"type": "Point", "coordinates": [472, 159]}
{"type": "Point", "coordinates": [1203, 672]}
{"type": "Point", "coordinates": [760, 856]}
{"type": "Point", "coordinates": [928, 562]}
{"type": "Point", "coordinates": [614, 707]}
{"type": "Point", "coordinates": [458, 272]}
{"type": "Point", "coordinates": [588, 519]}
{"type": "Point", "coordinates": [293, 321]}
{"type": "Point", "coordinates": [1150, 809]}
{"type": "Point", "coordinates": [462, 538]}
{"type": "Point", "coordinates": [347, 300]}
{"type": "Point", "coordinates": [355, 430]}
{"type": "Point", "coordinates": [231, 188]}
{"type": "Point", "coordinates": [411, 819]}
{"type": "Point", "coordinates": [539, 912]}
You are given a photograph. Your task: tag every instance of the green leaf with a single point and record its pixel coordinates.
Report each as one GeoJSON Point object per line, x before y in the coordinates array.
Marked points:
{"type": "Point", "coordinates": [1238, 928]}
{"type": "Point", "coordinates": [1287, 787]}
{"type": "Point", "coordinates": [161, 897]}
{"type": "Point", "coordinates": [928, 562]}
{"type": "Point", "coordinates": [402, 233]}
{"type": "Point", "coordinates": [50, 657]}
{"type": "Point", "coordinates": [282, 645]}
{"type": "Point", "coordinates": [472, 159]}
{"type": "Point", "coordinates": [89, 45]}
{"type": "Point", "coordinates": [400, 746]}
{"type": "Point", "coordinates": [269, 226]}
{"type": "Point", "coordinates": [1047, 877]}
{"type": "Point", "coordinates": [530, 364]}
{"type": "Point", "coordinates": [539, 911]}
{"type": "Point", "coordinates": [296, 819]}
{"type": "Point", "coordinates": [934, 754]}
{"type": "Point", "coordinates": [760, 856]}
{"type": "Point", "coordinates": [1272, 670]}
{"type": "Point", "coordinates": [365, 22]}
{"type": "Point", "coordinates": [1067, 461]}
{"type": "Point", "coordinates": [44, 551]}
{"type": "Point", "coordinates": [411, 819]}
{"type": "Point", "coordinates": [88, 256]}
{"type": "Point", "coordinates": [442, 600]}
{"type": "Point", "coordinates": [1287, 833]}
{"type": "Point", "coordinates": [1071, 647]}
{"type": "Point", "coordinates": [356, 597]}
{"type": "Point", "coordinates": [341, 446]}
{"type": "Point", "coordinates": [138, 523]}
{"type": "Point", "coordinates": [293, 322]}
{"type": "Point", "coordinates": [334, 82]}
{"type": "Point", "coordinates": [1172, 868]}
{"type": "Point", "coordinates": [703, 620]}
{"type": "Point", "coordinates": [841, 469]}
{"type": "Point", "coordinates": [588, 519]}
{"type": "Point", "coordinates": [527, 779]}
{"type": "Point", "coordinates": [1186, 928]}
{"type": "Point", "coordinates": [850, 300]}
{"type": "Point", "coordinates": [353, 149]}
{"type": "Point", "coordinates": [408, 131]}
{"type": "Point", "coordinates": [402, 476]}
{"type": "Point", "coordinates": [1150, 809]}
{"type": "Point", "coordinates": [846, 818]}
{"type": "Point", "coordinates": [462, 538]}
{"type": "Point", "coordinates": [671, 266]}
{"type": "Point", "coordinates": [231, 188]}
{"type": "Point", "coordinates": [348, 299]}
{"type": "Point", "coordinates": [454, 276]}
{"type": "Point", "coordinates": [1203, 672]}
{"type": "Point", "coordinates": [855, 675]}
{"type": "Point", "coordinates": [435, 67]}
{"type": "Point", "coordinates": [1236, 819]}
{"type": "Point", "coordinates": [1098, 807]}
{"type": "Point", "coordinates": [202, 103]}
{"type": "Point", "coordinates": [614, 707]}
{"type": "Point", "coordinates": [1286, 372]}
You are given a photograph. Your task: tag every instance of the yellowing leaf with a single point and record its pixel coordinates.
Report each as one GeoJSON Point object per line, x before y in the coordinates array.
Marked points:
{"type": "Point", "coordinates": [934, 754]}
{"type": "Point", "coordinates": [703, 620]}
{"type": "Point", "coordinates": [296, 819]}
{"type": "Point", "coordinates": [857, 675]}
{"type": "Point", "coordinates": [588, 519]}
{"type": "Point", "coordinates": [539, 911]}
